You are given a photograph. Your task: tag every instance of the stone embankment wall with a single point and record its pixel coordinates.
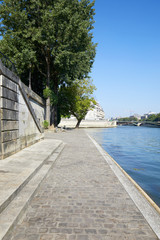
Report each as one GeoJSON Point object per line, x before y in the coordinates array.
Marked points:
{"type": "Point", "coordinates": [68, 123]}
{"type": "Point", "coordinates": [21, 114]}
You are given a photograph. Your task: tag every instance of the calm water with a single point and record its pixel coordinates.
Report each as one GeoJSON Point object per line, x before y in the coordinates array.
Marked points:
{"type": "Point", "coordinates": [137, 150]}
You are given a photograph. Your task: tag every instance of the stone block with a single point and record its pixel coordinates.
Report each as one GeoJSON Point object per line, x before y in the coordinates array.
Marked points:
{"type": "Point", "coordinates": [17, 116]}
{"type": "Point", "coordinates": [6, 72]}
{"type": "Point", "coordinates": [10, 135]}
{"type": "Point", "coordinates": [6, 93]}
{"type": "Point", "coordinates": [9, 125]}
{"type": "Point", "coordinates": [9, 115]}
{"type": "Point", "coordinates": [38, 109]}
{"type": "Point", "coordinates": [7, 83]}
{"type": "Point", "coordinates": [0, 142]}
{"type": "Point", "coordinates": [21, 99]}
{"type": "Point", "coordinates": [25, 107]}
{"type": "Point", "coordinates": [9, 104]}
{"type": "Point", "coordinates": [29, 139]}
{"type": "Point", "coordinates": [10, 147]}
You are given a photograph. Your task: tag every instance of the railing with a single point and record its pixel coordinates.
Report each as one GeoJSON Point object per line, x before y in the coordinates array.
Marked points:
{"type": "Point", "coordinates": [8, 63]}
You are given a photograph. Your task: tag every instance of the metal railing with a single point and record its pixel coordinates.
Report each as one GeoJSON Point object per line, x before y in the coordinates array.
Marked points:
{"type": "Point", "coordinates": [8, 63]}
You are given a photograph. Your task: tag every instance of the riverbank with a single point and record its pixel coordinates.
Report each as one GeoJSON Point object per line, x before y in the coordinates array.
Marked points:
{"type": "Point", "coordinates": [139, 124]}
{"type": "Point", "coordinates": [136, 150]}
{"type": "Point", "coordinates": [68, 123]}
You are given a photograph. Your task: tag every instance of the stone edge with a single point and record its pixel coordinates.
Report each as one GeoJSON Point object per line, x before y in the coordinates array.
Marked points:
{"type": "Point", "coordinates": [25, 182]}
{"type": "Point", "coordinates": [150, 210]}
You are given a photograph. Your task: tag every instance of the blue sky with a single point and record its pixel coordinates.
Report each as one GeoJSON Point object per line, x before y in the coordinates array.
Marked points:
{"type": "Point", "coordinates": [126, 70]}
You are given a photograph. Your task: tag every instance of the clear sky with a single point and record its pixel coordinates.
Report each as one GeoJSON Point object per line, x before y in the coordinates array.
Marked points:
{"type": "Point", "coordinates": [126, 70]}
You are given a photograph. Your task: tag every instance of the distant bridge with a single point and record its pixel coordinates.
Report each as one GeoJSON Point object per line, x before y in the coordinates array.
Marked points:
{"type": "Point", "coordinates": [138, 123]}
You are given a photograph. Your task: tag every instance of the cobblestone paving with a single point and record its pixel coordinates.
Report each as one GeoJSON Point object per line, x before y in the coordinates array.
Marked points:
{"type": "Point", "coordinates": [81, 199]}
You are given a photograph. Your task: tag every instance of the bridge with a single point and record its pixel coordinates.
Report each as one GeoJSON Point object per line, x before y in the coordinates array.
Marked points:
{"type": "Point", "coordinates": [138, 123]}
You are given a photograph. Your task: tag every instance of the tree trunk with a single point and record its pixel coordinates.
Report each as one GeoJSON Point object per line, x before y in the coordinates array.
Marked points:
{"type": "Point", "coordinates": [48, 111]}
{"type": "Point", "coordinates": [29, 79]}
{"type": "Point", "coordinates": [55, 118]}
{"type": "Point", "coordinates": [55, 107]}
{"type": "Point", "coordinates": [78, 123]}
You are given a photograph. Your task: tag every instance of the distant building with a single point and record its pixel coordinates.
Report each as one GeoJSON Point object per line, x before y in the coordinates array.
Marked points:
{"type": "Point", "coordinates": [96, 113]}
{"type": "Point", "coordinates": [136, 116]}
{"type": "Point", "coordinates": [145, 116]}
{"type": "Point", "coordinates": [151, 113]}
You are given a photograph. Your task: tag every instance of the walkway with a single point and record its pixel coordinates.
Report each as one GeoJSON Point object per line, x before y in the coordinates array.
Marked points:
{"type": "Point", "coordinates": [81, 199]}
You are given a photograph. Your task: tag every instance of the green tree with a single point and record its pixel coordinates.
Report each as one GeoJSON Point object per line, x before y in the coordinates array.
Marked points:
{"type": "Point", "coordinates": [77, 99]}
{"type": "Point", "coordinates": [154, 117]}
{"type": "Point", "coordinates": [52, 38]}
{"type": "Point", "coordinates": [151, 118]}
{"type": "Point", "coordinates": [128, 119]}
{"type": "Point", "coordinates": [157, 119]}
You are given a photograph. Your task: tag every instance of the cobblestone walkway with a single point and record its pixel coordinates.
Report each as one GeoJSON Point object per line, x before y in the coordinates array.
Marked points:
{"type": "Point", "coordinates": [81, 199]}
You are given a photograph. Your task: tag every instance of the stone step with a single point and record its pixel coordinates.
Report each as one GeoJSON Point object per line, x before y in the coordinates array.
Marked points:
{"type": "Point", "coordinates": [18, 169]}
{"type": "Point", "coordinates": [17, 205]}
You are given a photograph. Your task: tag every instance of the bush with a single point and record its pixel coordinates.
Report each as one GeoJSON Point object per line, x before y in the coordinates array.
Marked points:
{"type": "Point", "coordinates": [45, 124]}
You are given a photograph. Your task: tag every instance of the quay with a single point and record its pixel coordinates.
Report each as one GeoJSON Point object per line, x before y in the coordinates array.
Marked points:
{"type": "Point", "coordinates": [69, 123]}
{"type": "Point", "coordinates": [66, 187]}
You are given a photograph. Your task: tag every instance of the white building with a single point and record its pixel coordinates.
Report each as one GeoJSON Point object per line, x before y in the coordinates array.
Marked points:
{"type": "Point", "coordinates": [96, 113]}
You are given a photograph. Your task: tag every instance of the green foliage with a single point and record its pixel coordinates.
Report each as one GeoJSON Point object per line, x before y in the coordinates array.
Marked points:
{"type": "Point", "coordinates": [128, 119]}
{"type": "Point", "coordinates": [49, 93]}
{"type": "Point", "coordinates": [45, 124]}
{"type": "Point", "coordinates": [65, 116]}
{"type": "Point", "coordinates": [77, 99]}
{"type": "Point", "coordinates": [153, 118]}
{"type": "Point", "coordinates": [157, 118]}
{"type": "Point", "coordinates": [54, 37]}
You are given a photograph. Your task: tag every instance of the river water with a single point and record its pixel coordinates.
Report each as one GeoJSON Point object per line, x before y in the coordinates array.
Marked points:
{"type": "Point", "coordinates": [137, 151]}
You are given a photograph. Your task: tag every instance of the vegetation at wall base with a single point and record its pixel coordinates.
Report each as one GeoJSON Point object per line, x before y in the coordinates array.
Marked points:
{"type": "Point", "coordinates": [45, 124]}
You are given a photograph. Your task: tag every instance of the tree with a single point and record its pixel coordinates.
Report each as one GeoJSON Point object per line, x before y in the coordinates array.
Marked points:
{"type": "Point", "coordinates": [52, 36]}
{"type": "Point", "coordinates": [77, 99]}
{"type": "Point", "coordinates": [157, 119]}
{"type": "Point", "coordinates": [151, 118]}
{"type": "Point", "coordinates": [128, 119]}
{"type": "Point", "coordinates": [154, 117]}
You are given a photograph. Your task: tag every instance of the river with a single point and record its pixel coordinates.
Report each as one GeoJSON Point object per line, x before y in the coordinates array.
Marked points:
{"type": "Point", "coordinates": [137, 151]}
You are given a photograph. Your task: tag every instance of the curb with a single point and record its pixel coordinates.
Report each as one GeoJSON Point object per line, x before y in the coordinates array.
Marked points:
{"type": "Point", "coordinates": [14, 194]}
{"type": "Point", "coordinates": [144, 203]}
{"type": "Point", "coordinates": [18, 205]}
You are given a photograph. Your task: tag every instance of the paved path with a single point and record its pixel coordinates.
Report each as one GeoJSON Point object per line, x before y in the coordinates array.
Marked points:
{"type": "Point", "coordinates": [81, 199]}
